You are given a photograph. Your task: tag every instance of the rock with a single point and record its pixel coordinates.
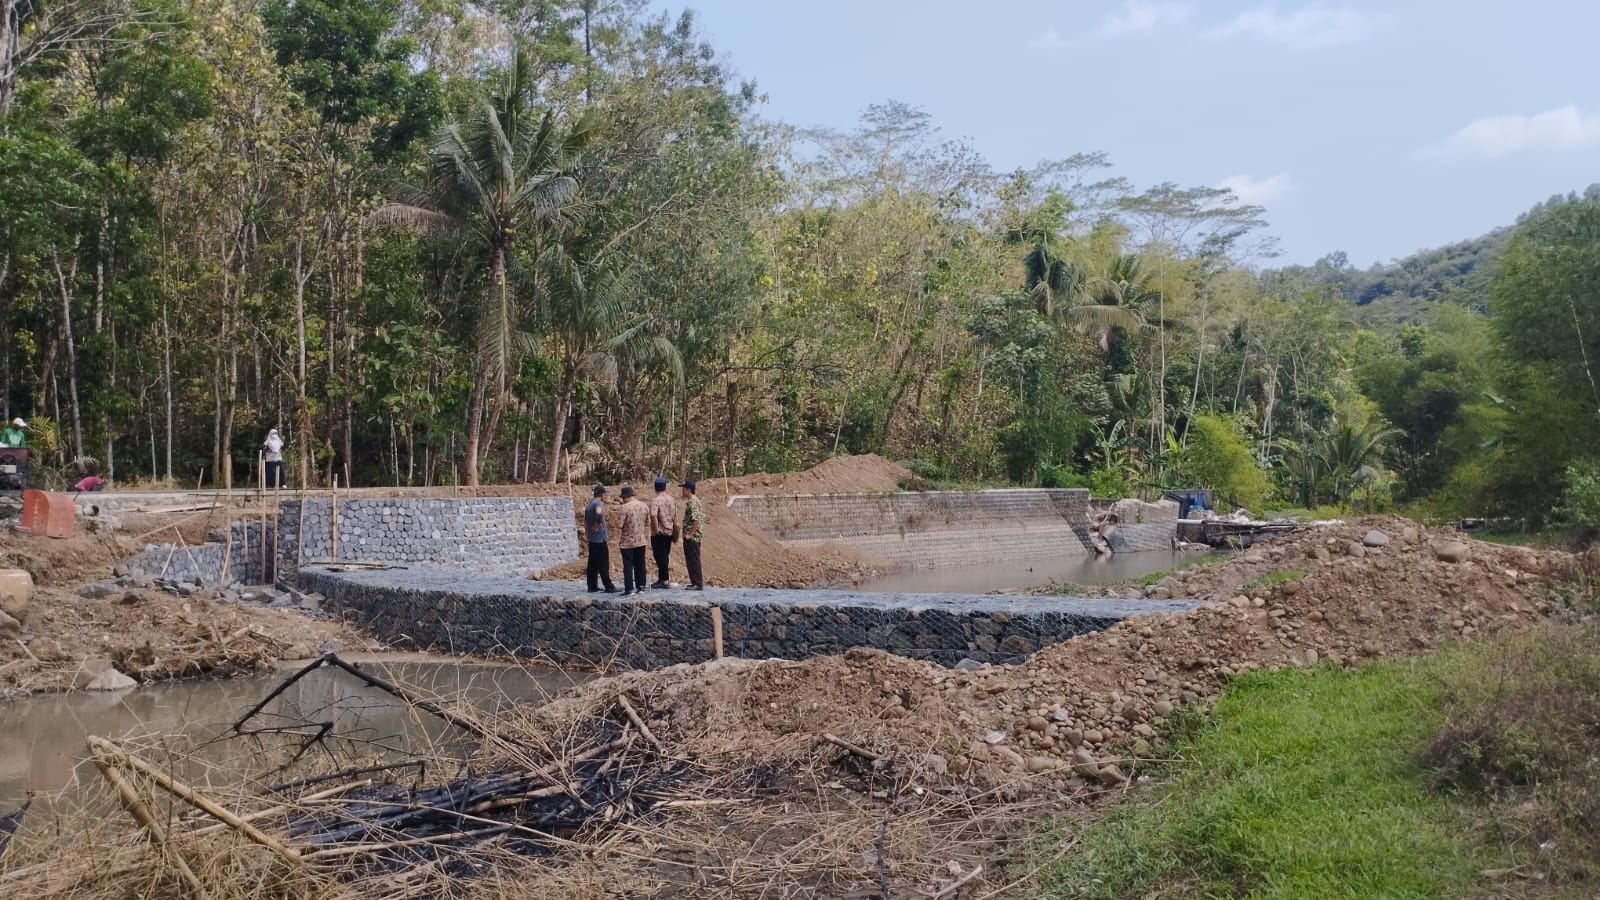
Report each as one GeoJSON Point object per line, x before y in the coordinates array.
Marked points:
{"type": "Point", "coordinates": [1356, 550]}
{"type": "Point", "coordinates": [1163, 707]}
{"type": "Point", "coordinates": [1452, 551]}
{"type": "Point", "coordinates": [10, 628]}
{"type": "Point", "coordinates": [98, 591]}
{"type": "Point", "coordinates": [1375, 538]}
{"type": "Point", "coordinates": [311, 603]}
{"type": "Point", "coordinates": [89, 670]}
{"type": "Point", "coordinates": [936, 763]}
{"type": "Point", "coordinates": [1144, 731]}
{"type": "Point", "coordinates": [1008, 755]}
{"type": "Point", "coordinates": [1094, 737]}
{"type": "Point", "coordinates": [16, 590]}
{"type": "Point", "coordinates": [1084, 763]}
{"type": "Point", "coordinates": [1240, 602]}
{"type": "Point", "coordinates": [1409, 535]}
{"type": "Point", "coordinates": [1037, 723]}
{"type": "Point", "coordinates": [1112, 775]}
{"type": "Point", "coordinates": [1038, 764]}
{"type": "Point", "coordinates": [1310, 656]}
{"type": "Point", "coordinates": [1060, 715]}
{"type": "Point", "coordinates": [979, 752]}
{"type": "Point", "coordinates": [994, 737]}
{"type": "Point", "coordinates": [968, 664]}
{"type": "Point", "coordinates": [111, 680]}
{"type": "Point", "coordinates": [1320, 554]}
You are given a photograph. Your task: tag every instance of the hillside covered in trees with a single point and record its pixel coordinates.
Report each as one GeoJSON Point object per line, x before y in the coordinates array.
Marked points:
{"type": "Point", "coordinates": [441, 242]}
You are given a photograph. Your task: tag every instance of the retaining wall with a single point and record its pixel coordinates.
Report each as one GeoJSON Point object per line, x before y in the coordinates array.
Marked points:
{"type": "Point", "coordinates": [561, 622]}
{"type": "Point", "coordinates": [494, 534]}
{"type": "Point", "coordinates": [235, 559]}
{"type": "Point", "coordinates": [929, 529]}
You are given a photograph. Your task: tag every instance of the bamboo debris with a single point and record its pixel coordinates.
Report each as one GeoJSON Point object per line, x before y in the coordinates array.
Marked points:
{"type": "Point", "coordinates": [141, 814]}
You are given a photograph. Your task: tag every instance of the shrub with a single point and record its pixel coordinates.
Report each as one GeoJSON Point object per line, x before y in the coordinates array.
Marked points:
{"type": "Point", "coordinates": [1218, 458]}
{"type": "Point", "coordinates": [1580, 503]}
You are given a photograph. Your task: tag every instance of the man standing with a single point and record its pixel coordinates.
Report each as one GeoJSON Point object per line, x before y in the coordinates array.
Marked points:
{"type": "Point", "coordinates": [13, 437]}
{"type": "Point", "coordinates": [632, 527]}
{"type": "Point", "coordinates": [663, 531]}
{"type": "Point", "coordinates": [594, 531]}
{"type": "Point", "coordinates": [694, 528]}
{"type": "Point", "coordinates": [272, 448]}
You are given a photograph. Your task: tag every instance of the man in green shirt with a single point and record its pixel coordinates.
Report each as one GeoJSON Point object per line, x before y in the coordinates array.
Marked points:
{"type": "Point", "coordinates": [13, 437]}
{"type": "Point", "coordinates": [694, 528]}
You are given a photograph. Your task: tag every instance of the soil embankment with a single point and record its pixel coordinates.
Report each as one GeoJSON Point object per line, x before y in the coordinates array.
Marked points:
{"type": "Point", "coordinates": [736, 553]}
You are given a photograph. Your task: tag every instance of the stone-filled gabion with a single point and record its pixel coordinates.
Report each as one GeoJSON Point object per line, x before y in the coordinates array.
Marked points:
{"type": "Point", "coordinates": [236, 559]}
{"type": "Point", "coordinates": [484, 534]}
{"type": "Point", "coordinates": [463, 613]}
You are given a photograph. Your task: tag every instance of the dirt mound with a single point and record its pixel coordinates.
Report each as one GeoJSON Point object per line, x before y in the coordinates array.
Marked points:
{"type": "Point", "coordinates": [1103, 696]}
{"type": "Point", "coordinates": [738, 554]}
{"type": "Point", "coordinates": [868, 474]}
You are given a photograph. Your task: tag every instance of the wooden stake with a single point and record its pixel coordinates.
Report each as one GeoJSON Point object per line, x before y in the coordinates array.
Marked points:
{"type": "Point", "coordinates": [716, 632]}
{"type": "Point", "coordinates": [277, 518]}
{"type": "Point", "coordinates": [261, 499]}
{"type": "Point", "coordinates": [333, 518]}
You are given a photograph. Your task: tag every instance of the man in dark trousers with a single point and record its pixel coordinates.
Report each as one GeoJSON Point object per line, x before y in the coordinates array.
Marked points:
{"type": "Point", "coordinates": [694, 528]}
{"type": "Point", "coordinates": [633, 529]}
{"type": "Point", "coordinates": [663, 531]}
{"type": "Point", "coordinates": [594, 531]}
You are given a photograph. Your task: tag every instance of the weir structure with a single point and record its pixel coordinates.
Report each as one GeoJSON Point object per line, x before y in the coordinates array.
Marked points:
{"type": "Point", "coordinates": [450, 574]}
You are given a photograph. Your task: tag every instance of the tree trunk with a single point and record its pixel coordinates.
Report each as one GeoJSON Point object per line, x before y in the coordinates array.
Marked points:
{"type": "Point", "coordinates": [558, 426]}
{"type": "Point", "coordinates": [72, 354]}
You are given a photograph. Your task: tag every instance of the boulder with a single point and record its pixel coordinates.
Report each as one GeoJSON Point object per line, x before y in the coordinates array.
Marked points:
{"type": "Point", "coordinates": [1138, 512]}
{"type": "Point", "coordinates": [16, 590]}
{"type": "Point", "coordinates": [1356, 550]}
{"type": "Point", "coordinates": [1375, 538]}
{"type": "Point", "coordinates": [1452, 551]}
{"type": "Point", "coordinates": [111, 680]}
{"type": "Point", "coordinates": [89, 670]}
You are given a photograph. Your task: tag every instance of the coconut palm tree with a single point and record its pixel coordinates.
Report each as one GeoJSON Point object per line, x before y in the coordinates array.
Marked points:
{"type": "Point", "coordinates": [583, 305]}
{"type": "Point", "coordinates": [506, 176]}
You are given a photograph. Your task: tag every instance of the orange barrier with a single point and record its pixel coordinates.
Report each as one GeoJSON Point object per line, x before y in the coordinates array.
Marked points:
{"type": "Point", "coordinates": [47, 514]}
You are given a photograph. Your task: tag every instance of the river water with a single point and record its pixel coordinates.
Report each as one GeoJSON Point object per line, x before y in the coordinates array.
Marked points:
{"type": "Point", "coordinates": [983, 576]}
{"type": "Point", "coordinates": [42, 746]}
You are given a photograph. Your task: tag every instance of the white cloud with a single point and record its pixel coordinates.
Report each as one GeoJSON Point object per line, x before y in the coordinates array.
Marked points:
{"type": "Point", "coordinates": [1135, 18]}
{"type": "Point", "coordinates": [1138, 17]}
{"type": "Point", "coordinates": [1257, 193]}
{"type": "Point", "coordinates": [1049, 41]}
{"type": "Point", "coordinates": [1496, 137]}
{"type": "Point", "coordinates": [1306, 28]}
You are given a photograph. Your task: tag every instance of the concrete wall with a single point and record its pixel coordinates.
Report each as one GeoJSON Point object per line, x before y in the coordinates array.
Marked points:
{"type": "Point", "coordinates": [1140, 538]}
{"type": "Point", "coordinates": [929, 529]}
{"type": "Point", "coordinates": [493, 534]}
{"type": "Point", "coordinates": [433, 609]}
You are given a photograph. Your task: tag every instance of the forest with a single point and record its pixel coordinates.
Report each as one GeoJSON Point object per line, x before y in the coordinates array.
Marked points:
{"type": "Point", "coordinates": [439, 241]}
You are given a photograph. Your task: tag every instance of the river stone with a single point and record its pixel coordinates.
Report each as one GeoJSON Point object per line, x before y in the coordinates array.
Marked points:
{"type": "Point", "coordinates": [1038, 764]}
{"type": "Point", "coordinates": [1375, 538]}
{"type": "Point", "coordinates": [1163, 707]}
{"type": "Point", "coordinates": [1356, 550]}
{"type": "Point", "coordinates": [111, 680]}
{"type": "Point", "coordinates": [1452, 551]}
{"type": "Point", "coordinates": [1112, 775]}
{"type": "Point", "coordinates": [16, 589]}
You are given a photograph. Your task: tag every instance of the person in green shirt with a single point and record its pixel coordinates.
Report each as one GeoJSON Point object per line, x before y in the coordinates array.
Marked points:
{"type": "Point", "coordinates": [13, 437]}
{"type": "Point", "coordinates": [694, 528]}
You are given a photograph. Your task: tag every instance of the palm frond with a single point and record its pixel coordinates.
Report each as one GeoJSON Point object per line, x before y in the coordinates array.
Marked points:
{"type": "Point", "coordinates": [411, 218]}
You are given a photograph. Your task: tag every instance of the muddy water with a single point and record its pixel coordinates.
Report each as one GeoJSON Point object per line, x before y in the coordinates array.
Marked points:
{"type": "Point", "coordinates": [42, 744]}
{"type": "Point", "coordinates": [981, 576]}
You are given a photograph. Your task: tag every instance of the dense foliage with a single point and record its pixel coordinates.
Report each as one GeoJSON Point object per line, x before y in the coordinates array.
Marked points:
{"type": "Point", "coordinates": [540, 239]}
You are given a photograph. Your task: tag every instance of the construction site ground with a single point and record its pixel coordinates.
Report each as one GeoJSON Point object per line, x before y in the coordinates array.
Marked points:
{"type": "Point", "coordinates": [838, 757]}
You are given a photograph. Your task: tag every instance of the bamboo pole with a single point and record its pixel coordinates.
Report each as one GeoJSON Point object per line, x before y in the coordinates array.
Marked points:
{"type": "Point", "coordinates": [277, 519]}
{"type": "Point", "coordinates": [261, 501]}
{"type": "Point", "coordinates": [147, 820]}
{"type": "Point", "coordinates": [113, 753]}
{"type": "Point", "coordinates": [333, 518]}
{"type": "Point", "coordinates": [716, 632]}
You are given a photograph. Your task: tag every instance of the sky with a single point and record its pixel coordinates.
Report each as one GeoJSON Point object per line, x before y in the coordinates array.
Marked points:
{"type": "Point", "coordinates": [1376, 128]}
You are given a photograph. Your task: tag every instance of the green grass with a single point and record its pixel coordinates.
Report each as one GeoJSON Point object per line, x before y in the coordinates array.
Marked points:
{"type": "Point", "coordinates": [1196, 563]}
{"type": "Point", "coordinates": [1302, 784]}
{"type": "Point", "coordinates": [1270, 579]}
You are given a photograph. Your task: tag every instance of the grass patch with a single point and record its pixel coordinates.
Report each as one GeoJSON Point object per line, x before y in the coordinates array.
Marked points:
{"type": "Point", "coordinates": [1271, 579]}
{"type": "Point", "coordinates": [1302, 784]}
{"type": "Point", "coordinates": [1198, 562]}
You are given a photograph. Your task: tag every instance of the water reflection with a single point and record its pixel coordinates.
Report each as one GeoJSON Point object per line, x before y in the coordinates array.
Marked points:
{"type": "Point", "coordinates": [42, 738]}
